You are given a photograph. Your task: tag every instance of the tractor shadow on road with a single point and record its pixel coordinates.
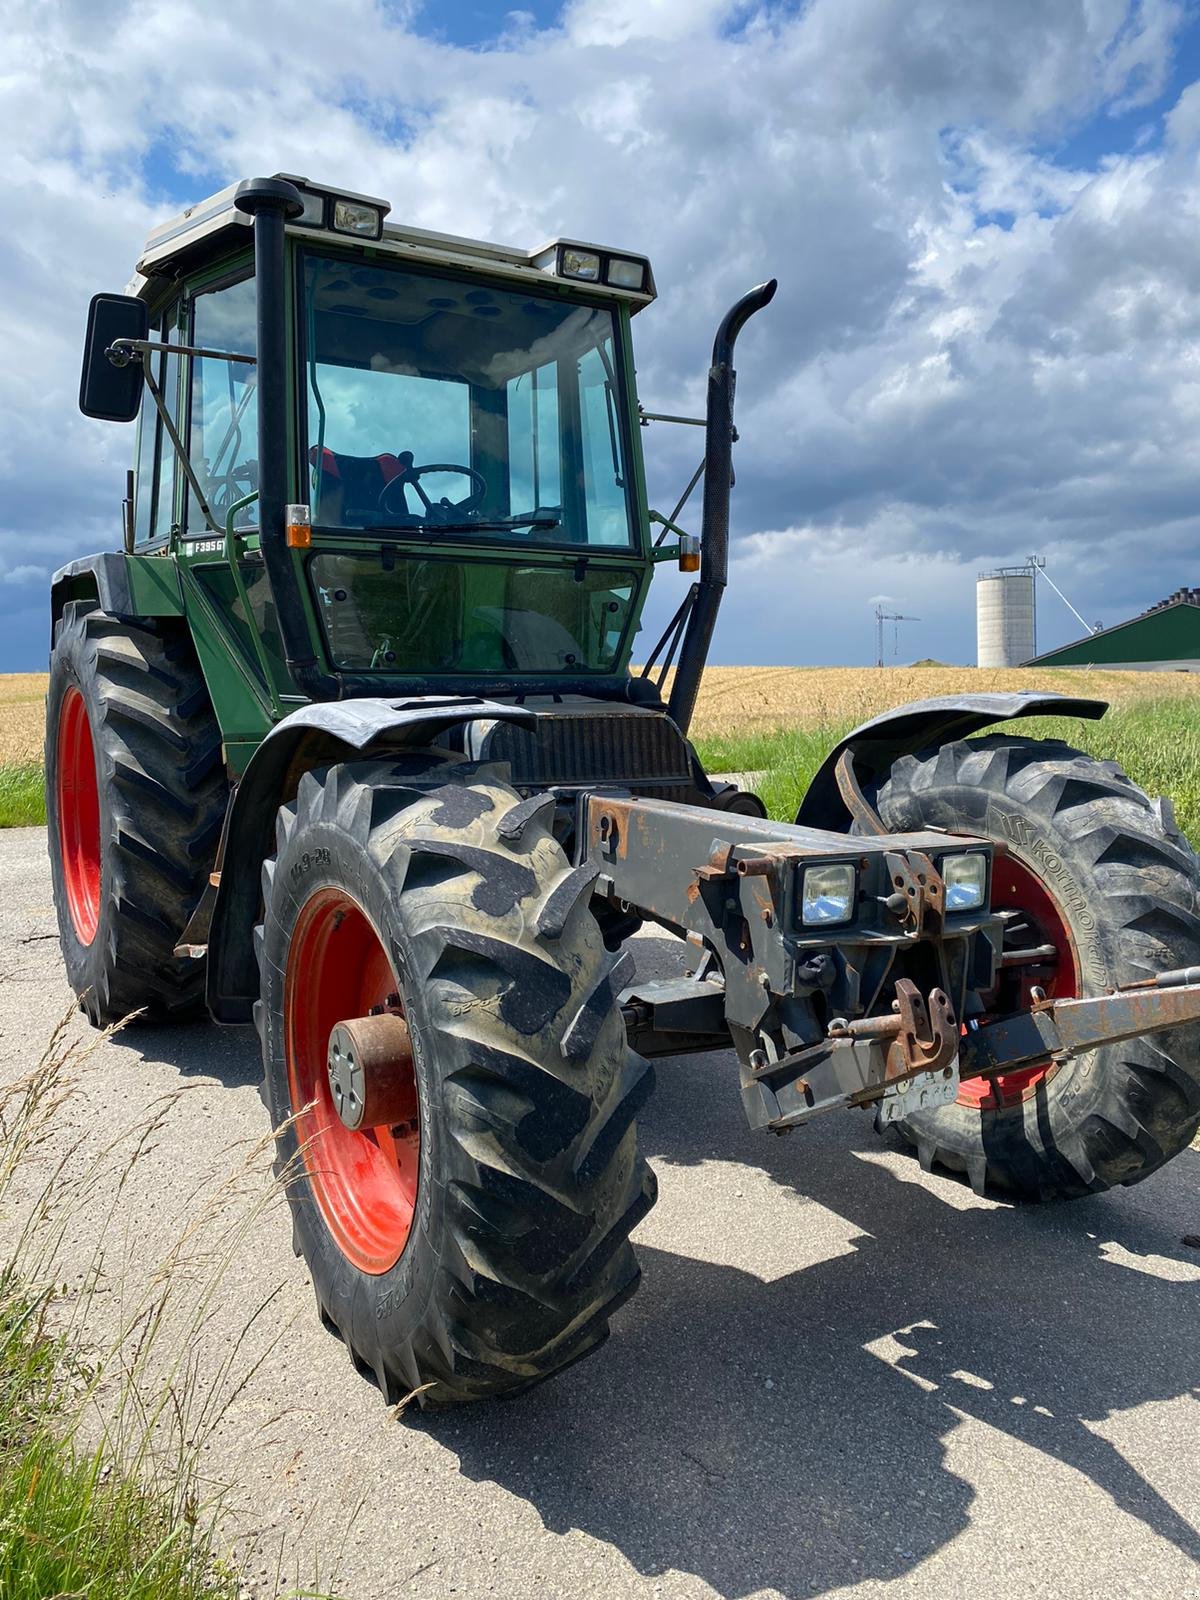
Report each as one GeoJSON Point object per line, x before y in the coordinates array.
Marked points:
{"type": "Point", "coordinates": [198, 1050]}
{"type": "Point", "coordinates": [793, 1434]}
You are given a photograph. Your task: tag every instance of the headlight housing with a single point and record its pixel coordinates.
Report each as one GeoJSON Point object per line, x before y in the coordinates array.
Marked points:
{"type": "Point", "coordinates": [583, 264]}
{"type": "Point", "coordinates": [828, 894]}
{"type": "Point", "coordinates": [626, 274]}
{"type": "Point", "coordinates": [350, 216]}
{"type": "Point", "coordinates": [965, 877]}
{"type": "Point", "coordinates": [313, 215]}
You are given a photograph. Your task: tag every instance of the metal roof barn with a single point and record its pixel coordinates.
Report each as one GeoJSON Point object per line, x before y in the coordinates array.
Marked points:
{"type": "Point", "coordinates": [1164, 639]}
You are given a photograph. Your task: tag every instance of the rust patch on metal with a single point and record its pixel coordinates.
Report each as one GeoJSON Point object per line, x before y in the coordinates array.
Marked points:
{"type": "Point", "coordinates": [918, 898]}
{"type": "Point", "coordinates": [756, 866]}
{"type": "Point", "coordinates": [857, 804]}
{"type": "Point", "coordinates": [609, 826]}
{"type": "Point", "coordinates": [923, 1032]}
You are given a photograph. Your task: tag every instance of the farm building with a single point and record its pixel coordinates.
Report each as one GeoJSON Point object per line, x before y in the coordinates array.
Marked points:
{"type": "Point", "coordinates": [1164, 639]}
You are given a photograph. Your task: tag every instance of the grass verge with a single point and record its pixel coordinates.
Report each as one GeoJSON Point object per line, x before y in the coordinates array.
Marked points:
{"type": "Point", "coordinates": [1155, 741]}
{"type": "Point", "coordinates": [71, 1523]}
{"type": "Point", "coordinates": [22, 795]}
{"type": "Point", "coordinates": [106, 1405]}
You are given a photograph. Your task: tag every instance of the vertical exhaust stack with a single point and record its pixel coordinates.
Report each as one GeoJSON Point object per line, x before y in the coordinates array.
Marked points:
{"type": "Point", "coordinates": [272, 202]}
{"type": "Point", "coordinates": [714, 524]}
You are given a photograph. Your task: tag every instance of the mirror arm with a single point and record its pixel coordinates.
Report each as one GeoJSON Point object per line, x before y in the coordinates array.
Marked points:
{"type": "Point", "coordinates": [156, 396]}
{"type": "Point", "coordinates": [646, 417]}
{"type": "Point", "coordinates": [122, 351]}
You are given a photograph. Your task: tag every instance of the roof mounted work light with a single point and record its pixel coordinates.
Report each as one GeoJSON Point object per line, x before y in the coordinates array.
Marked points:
{"type": "Point", "coordinates": [625, 273]}
{"type": "Point", "coordinates": [313, 215]}
{"type": "Point", "coordinates": [359, 215]}
{"type": "Point", "coordinates": [573, 263]}
{"type": "Point", "coordinates": [351, 216]}
{"type": "Point", "coordinates": [595, 266]}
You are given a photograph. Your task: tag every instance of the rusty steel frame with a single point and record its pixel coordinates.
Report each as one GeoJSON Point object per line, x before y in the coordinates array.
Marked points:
{"type": "Point", "coordinates": [804, 1006]}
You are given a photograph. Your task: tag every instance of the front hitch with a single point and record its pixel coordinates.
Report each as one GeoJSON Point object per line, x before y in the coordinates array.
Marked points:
{"type": "Point", "coordinates": [906, 1061]}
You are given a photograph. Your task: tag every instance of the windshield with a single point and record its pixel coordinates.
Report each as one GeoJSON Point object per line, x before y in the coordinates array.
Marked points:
{"type": "Point", "coordinates": [437, 614]}
{"type": "Point", "coordinates": [446, 408]}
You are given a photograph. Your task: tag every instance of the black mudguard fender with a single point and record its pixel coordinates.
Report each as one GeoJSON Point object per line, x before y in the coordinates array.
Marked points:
{"type": "Point", "coordinates": [921, 725]}
{"type": "Point", "coordinates": [314, 736]}
{"type": "Point", "coordinates": [129, 587]}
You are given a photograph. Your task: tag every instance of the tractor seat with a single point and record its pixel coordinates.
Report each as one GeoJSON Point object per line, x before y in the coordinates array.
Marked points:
{"type": "Point", "coordinates": [351, 485]}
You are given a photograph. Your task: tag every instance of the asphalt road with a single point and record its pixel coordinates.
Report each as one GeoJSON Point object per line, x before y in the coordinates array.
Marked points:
{"type": "Point", "coordinates": [839, 1375]}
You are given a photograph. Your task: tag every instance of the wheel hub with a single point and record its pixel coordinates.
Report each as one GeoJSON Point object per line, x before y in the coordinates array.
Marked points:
{"type": "Point", "coordinates": [371, 1071]}
{"type": "Point", "coordinates": [1040, 926]}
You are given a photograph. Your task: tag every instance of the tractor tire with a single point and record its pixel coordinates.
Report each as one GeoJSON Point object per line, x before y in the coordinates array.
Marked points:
{"type": "Point", "coordinates": [479, 1242]}
{"type": "Point", "coordinates": [135, 796]}
{"type": "Point", "coordinates": [1095, 868]}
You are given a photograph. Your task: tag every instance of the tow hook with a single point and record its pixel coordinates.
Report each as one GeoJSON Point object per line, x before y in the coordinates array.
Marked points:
{"type": "Point", "coordinates": [924, 1034]}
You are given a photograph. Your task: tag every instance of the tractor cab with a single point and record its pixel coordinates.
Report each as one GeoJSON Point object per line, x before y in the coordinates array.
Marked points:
{"type": "Point", "coordinates": [386, 459]}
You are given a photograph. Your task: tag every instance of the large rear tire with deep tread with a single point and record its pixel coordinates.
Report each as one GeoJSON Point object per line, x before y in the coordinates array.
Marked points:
{"type": "Point", "coordinates": [135, 793]}
{"type": "Point", "coordinates": [525, 1176]}
{"type": "Point", "coordinates": [1123, 892]}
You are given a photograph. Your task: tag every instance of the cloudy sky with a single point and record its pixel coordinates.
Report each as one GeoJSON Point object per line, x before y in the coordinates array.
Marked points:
{"type": "Point", "coordinates": [985, 221]}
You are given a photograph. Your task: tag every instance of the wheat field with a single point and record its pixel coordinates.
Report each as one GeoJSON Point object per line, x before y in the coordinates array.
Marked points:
{"type": "Point", "coordinates": [22, 716]}
{"type": "Point", "coordinates": [749, 699]}
{"type": "Point", "coordinates": [753, 699]}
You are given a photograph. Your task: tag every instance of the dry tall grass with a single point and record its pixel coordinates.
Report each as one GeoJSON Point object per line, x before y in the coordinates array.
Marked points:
{"type": "Point", "coordinates": [111, 1389]}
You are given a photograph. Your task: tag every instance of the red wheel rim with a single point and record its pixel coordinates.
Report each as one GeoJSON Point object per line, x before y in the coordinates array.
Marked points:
{"type": "Point", "coordinates": [1016, 888]}
{"type": "Point", "coordinates": [364, 1180]}
{"type": "Point", "coordinates": [77, 806]}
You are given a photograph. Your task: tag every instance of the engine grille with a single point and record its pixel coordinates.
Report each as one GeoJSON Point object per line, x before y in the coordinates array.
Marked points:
{"type": "Point", "coordinates": [638, 748]}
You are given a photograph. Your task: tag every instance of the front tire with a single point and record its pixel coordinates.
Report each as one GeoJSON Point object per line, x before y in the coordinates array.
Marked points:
{"type": "Point", "coordinates": [1089, 866]}
{"type": "Point", "coordinates": [480, 1244]}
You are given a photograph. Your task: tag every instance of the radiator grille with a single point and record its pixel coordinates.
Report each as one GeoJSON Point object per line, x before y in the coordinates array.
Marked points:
{"type": "Point", "coordinates": [609, 747]}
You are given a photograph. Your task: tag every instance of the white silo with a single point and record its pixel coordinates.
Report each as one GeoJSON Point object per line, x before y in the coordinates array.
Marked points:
{"type": "Point", "coordinates": [1005, 617]}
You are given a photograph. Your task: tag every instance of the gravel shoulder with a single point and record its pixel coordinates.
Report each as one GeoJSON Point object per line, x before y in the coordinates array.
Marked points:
{"type": "Point", "coordinates": [840, 1374]}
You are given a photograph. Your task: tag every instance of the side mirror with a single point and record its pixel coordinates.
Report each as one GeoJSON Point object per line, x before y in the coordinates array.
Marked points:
{"type": "Point", "coordinates": [112, 390]}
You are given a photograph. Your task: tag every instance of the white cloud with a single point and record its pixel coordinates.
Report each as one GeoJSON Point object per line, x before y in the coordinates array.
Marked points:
{"type": "Point", "coordinates": [977, 349]}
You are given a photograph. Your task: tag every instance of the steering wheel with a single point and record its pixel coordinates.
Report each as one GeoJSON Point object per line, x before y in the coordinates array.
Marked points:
{"type": "Point", "coordinates": [445, 510]}
{"type": "Point", "coordinates": [222, 490]}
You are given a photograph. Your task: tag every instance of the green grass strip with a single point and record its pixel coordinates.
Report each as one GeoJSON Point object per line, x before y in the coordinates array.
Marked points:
{"type": "Point", "coordinates": [1155, 742]}
{"type": "Point", "coordinates": [22, 795]}
{"type": "Point", "coordinates": [71, 1522]}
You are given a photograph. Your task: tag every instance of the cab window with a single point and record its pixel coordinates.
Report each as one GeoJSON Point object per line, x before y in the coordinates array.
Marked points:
{"type": "Point", "coordinates": [223, 439]}
{"type": "Point", "coordinates": [154, 491]}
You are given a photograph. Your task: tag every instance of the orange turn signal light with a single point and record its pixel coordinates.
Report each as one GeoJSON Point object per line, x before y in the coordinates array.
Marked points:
{"type": "Point", "coordinates": [298, 523]}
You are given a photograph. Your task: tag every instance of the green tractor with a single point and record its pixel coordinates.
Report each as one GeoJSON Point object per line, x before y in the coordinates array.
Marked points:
{"type": "Point", "coordinates": [345, 742]}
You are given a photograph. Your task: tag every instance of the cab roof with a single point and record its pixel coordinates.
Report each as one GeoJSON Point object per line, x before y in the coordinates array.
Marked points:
{"type": "Point", "coordinates": [211, 227]}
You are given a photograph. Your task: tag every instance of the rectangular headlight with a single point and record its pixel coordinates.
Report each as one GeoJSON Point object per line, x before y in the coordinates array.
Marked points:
{"type": "Point", "coordinates": [624, 274]}
{"type": "Point", "coordinates": [827, 894]}
{"type": "Point", "coordinates": [578, 264]}
{"type": "Point", "coordinates": [350, 216]}
{"type": "Point", "coordinates": [965, 878]}
{"type": "Point", "coordinates": [313, 215]}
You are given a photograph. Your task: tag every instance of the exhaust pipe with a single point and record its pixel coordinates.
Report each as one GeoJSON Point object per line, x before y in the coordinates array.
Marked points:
{"type": "Point", "coordinates": [714, 522]}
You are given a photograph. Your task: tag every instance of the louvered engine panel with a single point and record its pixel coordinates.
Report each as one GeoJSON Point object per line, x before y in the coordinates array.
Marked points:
{"type": "Point", "coordinates": [633, 747]}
